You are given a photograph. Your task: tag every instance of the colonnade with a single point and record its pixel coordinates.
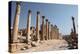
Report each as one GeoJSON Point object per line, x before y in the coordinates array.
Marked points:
{"type": "Point", "coordinates": [28, 41]}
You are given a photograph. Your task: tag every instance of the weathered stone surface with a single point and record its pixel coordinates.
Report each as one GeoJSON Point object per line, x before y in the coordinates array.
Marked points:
{"type": "Point", "coordinates": [33, 44]}
{"type": "Point", "coordinates": [28, 26]}
{"type": "Point", "coordinates": [37, 26]}
{"type": "Point", "coordinates": [16, 47]}
{"type": "Point", "coordinates": [46, 29]}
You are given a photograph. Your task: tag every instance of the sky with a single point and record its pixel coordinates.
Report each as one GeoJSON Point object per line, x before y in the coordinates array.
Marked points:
{"type": "Point", "coordinates": [57, 14]}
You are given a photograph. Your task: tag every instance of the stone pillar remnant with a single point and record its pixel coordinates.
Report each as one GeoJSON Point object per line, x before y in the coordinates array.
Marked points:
{"type": "Point", "coordinates": [16, 23]}
{"type": "Point", "coordinates": [46, 29]}
{"type": "Point", "coordinates": [28, 27]}
{"type": "Point", "coordinates": [37, 26]}
{"type": "Point", "coordinates": [43, 27]}
{"type": "Point", "coordinates": [73, 25]}
{"type": "Point", "coordinates": [51, 36]}
{"type": "Point", "coordinates": [14, 38]}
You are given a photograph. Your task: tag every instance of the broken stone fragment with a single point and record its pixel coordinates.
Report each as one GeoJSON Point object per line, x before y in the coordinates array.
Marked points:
{"type": "Point", "coordinates": [33, 44]}
{"type": "Point", "coordinates": [23, 48]}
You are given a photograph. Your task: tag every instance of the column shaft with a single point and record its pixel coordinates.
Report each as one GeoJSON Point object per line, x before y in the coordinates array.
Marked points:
{"type": "Point", "coordinates": [16, 23]}
{"type": "Point", "coordinates": [51, 37]}
{"type": "Point", "coordinates": [28, 26]}
{"type": "Point", "coordinates": [73, 25]}
{"type": "Point", "coordinates": [14, 37]}
{"type": "Point", "coordinates": [43, 27]}
{"type": "Point", "coordinates": [46, 29]}
{"type": "Point", "coordinates": [37, 26]}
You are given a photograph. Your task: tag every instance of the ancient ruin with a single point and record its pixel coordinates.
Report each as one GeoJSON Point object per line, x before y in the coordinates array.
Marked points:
{"type": "Point", "coordinates": [74, 36]}
{"type": "Point", "coordinates": [22, 39]}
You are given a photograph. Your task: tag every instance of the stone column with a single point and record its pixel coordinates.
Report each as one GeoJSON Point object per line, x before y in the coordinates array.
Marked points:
{"type": "Point", "coordinates": [73, 25]}
{"type": "Point", "coordinates": [51, 36]}
{"type": "Point", "coordinates": [28, 27]}
{"type": "Point", "coordinates": [37, 26]}
{"type": "Point", "coordinates": [14, 37]}
{"type": "Point", "coordinates": [57, 33]}
{"type": "Point", "coordinates": [74, 36]}
{"type": "Point", "coordinates": [16, 23]}
{"type": "Point", "coordinates": [46, 29]}
{"type": "Point", "coordinates": [43, 38]}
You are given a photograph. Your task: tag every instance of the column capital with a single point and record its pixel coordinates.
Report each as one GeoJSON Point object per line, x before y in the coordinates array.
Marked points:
{"type": "Point", "coordinates": [55, 26]}
{"type": "Point", "coordinates": [18, 3]}
{"type": "Point", "coordinates": [29, 11]}
{"type": "Point", "coordinates": [72, 18]}
{"type": "Point", "coordinates": [38, 12]}
{"type": "Point", "coordinates": [46, 20]}
{"type": "Point", "coordinates": [43, 17]}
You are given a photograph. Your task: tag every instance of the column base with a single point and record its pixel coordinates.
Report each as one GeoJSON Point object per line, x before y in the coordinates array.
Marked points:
{"type": "Point", "coordinates": [14, 47]}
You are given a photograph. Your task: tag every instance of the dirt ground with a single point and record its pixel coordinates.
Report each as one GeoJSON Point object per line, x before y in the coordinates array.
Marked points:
{"type": "Point", "coordinates": [49, 45]}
